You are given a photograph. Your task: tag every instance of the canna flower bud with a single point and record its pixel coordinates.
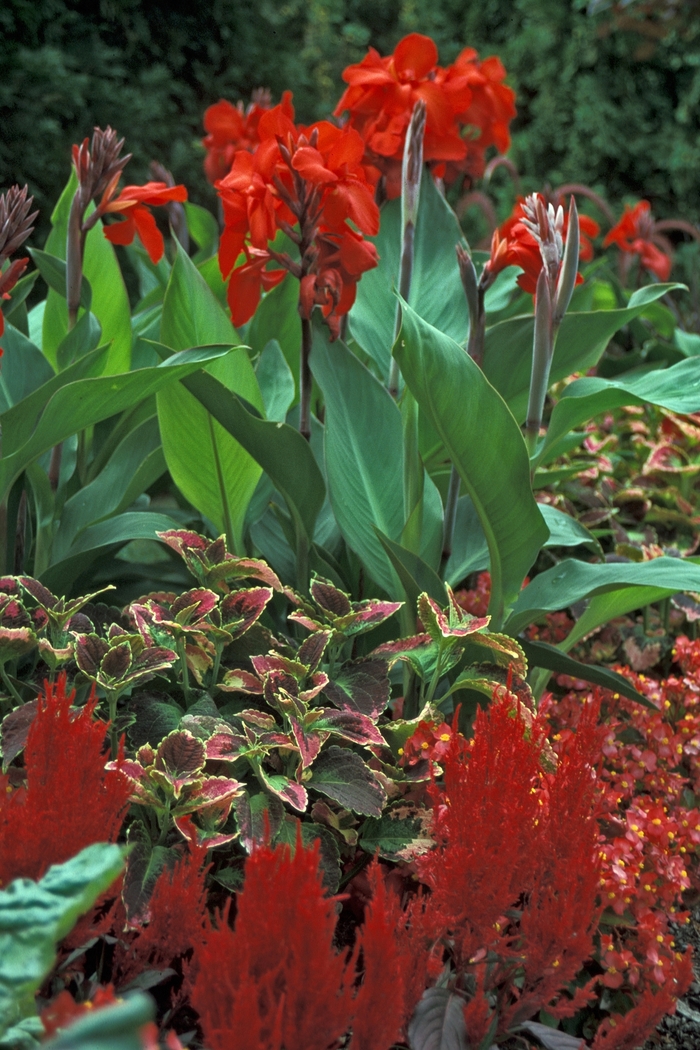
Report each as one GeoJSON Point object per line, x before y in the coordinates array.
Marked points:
{"type": "Point", "coordinates": [568, 274]}
{"type": "Point", "coordinates": [98, 168]}
{"type": "Point", "coordinates": [412, 166]}
{"type": "Point", "coordinates": [546, 225]}
{"type": "Point", "coordinates": [15, 220]}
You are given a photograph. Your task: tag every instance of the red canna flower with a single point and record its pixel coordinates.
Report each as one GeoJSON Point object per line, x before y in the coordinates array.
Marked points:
{"type": "Point", "coordinates": [468, 108]}
{"type": "Point", "coordinates": [309, 183]}
{"type": "Point", "coordinates": [231, 128]}
{"type": "Point", "coordinates": [70, 801]}
{"type": "Point", "coordinates": [133, 204]}
{"type": "Point", "coordinates": [635, 234]}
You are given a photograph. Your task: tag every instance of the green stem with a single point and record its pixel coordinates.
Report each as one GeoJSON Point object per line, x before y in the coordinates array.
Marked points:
{"type": "Point", "coordinates": [305, 379]}
{"type": "Point", "coordinates": [434, 682]}
{"type": "Point", "coordinates": [9, 686]}
{"type": "Point", "coordinates": [216, 665]}
{"type": "Point", "coordinates": [448, 528]}
{"type": "Point", "coordinates": [225, 506]}
{"type": "Point", "coordinates": [164, 824]}
{"type": "Point", "coordinates": [112, 699]}
{"type": "Point", "coordinates": [182, 653]}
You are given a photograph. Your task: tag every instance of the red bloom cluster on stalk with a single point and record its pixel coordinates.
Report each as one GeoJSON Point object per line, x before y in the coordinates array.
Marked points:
{"type": "Point", "coordinates": [276, 979]}
{"type": "Point", "coordinates": [230, 128]}
{"type": "Point", "coordinates": [635, 234]}
{"type": "Point", "coordinates": [133, 205]}
{"type": "Point", "coordinates": [69, 800]}
{"type": "Point", "coordinates": [469, 108]}
{"type": "Point", "coordinates": [309, 183]}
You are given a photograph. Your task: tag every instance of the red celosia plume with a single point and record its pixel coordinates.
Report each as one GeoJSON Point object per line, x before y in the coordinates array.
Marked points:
{"type": "Point", "coordinates": [70, 801]}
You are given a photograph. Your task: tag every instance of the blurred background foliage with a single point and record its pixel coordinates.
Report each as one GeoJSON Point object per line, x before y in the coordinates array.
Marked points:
{"type": "Point", "coordinates": [608, 91]}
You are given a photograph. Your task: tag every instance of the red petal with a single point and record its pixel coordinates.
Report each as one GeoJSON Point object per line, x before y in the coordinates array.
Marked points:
{"type": "Point", "coordinates": [151, 237]}
{"type": "Point", "coordinates": [121, 232]}
{"type": "Point", "coordinates": [244, 290]}
{"type": "Point", "coordinates": [415, 56]}
{"type": "Point", "coordinates": [309, 163]}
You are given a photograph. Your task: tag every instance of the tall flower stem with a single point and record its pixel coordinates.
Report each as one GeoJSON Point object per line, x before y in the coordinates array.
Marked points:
{"type": "Point", "coordinates": [305, 379]}
{"type": "Point", "coordinates": [412, 171]}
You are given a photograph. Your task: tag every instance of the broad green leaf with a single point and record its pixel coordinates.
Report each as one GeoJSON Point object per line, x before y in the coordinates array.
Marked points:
{"type": "Point", "coordinates": [84, 402]}
{"type": "Point", "coordinates": [363, 455]}
{"type": "Point", "coordinates": [276, 382]}
{"type": "Point", "coordinates": [415, 575]}
{"type": "Point", "coordinates": [91, 543]}
{"type": "Point", "coordinates": [118, 1027]}
{"type": "Point", "coordinates": [470, 551]}
{"type": "Point", "coordinates": [565, 531]}
{"type": "Point", "coordinates": [551, 658]}
{"type": "Point", "coordinates": [53, 270]}
{"type": "Point", "coordinates": [571, 581]}
{"type": "Point", "coordinates": [436, 287]}
{"type": "Point", "coordinates": [212, 470]}
{"type": "Point", "coordinates": [34, 916]}
{"type": "Point", "coordinates": [606, 607]}
{"type": "Point", "coordinates": [484, 443]}
{"type": "Point", "coordinates": [19, 421]}
{"type": "Point", "coordinates": [676, 388]}
{"type": "Point", "coordinates": [135, 464]}
{"type": "Point", "coordinates": [277, 317]}
{"type": "Point", "coordinates": [81, 339]}
{"type": "Point", "coordinates": [203, 227]}
{"type": "Point", "coordinates": [581, 341]}
{"type": "Point", "coordinates": [20, 292]}
{"type": "Point", "coordinates": [110, 302]}
{"type": "Point", "coordinates": [24, 368]}
{"type": "Point", "coordinates": [401, 833]}
{"type": "Point", "coordinates": [279, 449]}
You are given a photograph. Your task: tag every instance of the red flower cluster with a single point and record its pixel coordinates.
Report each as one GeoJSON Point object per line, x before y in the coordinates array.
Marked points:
{"type": "Point", "coordinates": [230, 128]}
{"type": "Point", "coordinates": [514, 833]}
{"type": "Point", "coordinates": [429, 741]}
{"type": "Point", "coordinates": [70, 801]}
{"type": "Point", "coordinates": [276, 979]}
{"type": "Point", "coordinates": [634, 234]}
{"type": "Point", "coordinates": [309, 183]}
{"type": "Point", "coordinates": [514, 245]}
{"type": "Point", "coordinates": [468, 108]}
{"type": "Point", "coordinates": [132, 203]}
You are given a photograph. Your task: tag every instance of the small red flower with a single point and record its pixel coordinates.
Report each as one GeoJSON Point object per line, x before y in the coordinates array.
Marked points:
{"type": "Point", "coordinates": [634, 233]}
{"type": "Point", "coordinates": [133, 204]}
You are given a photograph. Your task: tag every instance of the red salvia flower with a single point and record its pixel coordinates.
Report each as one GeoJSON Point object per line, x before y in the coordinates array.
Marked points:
{"type": "Point", "coordinates": [132, 203]}
{"type": "Point", "coordinates": [634, 233]}
{"type": "Point", "coordinates": [70, 801]}
{"type": "Point", "coordinates": [468, 108]}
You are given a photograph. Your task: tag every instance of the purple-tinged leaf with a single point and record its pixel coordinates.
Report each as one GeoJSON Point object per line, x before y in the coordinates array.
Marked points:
{"type": "Point", "coordinates": [180, 759]}
{"type": "Point", "coordinates": [260, 719]}
{"type": "Point", "coordinates": [182, 540]}
{"type": "Point", "coordinates": [439, 625]}
{"type": "Point", "coordinates": [89, 651]}
{"type": "Point", "coordinates": [438, 1022]}
{"type": "Point", "coordinates": [212, 793]}
{"type": "Point", "coordinates": [369, 614]}
{"type": "Point", "coordinates": [501, 650]}
{"type": "Point", "coordinates": [241, 609]}
{"type": "Point", "coordinates": [211, 839]}
{"type": "Point", "coordinates": [15, 730]}
{"type": "Point", "coordinates": [130, 768]}
{"type": "Point", "coordinates": [342, 775]}
{"type": "Point", "coordinates": [330, 599]}
{"type": "Point", "coordinates": [15, 641]}
{"type": "Point", "coordinates": [146, 755]}
{"type": "Point", "coordinates": [116, 662]}
{"type": "Point", "coordinates": [225, 747]}
{"type": "Point", "coordinates": [244, 568]}
{"type": "Point", "coordinates": [259, 817]}
{"type": "Point", "coordinates": [144, 863]}
{"type": "Point", "coordinates": [193, 605]}
{"type": "Point", "coordinates": [350, 725]}
{"type": "Point", "coordinates": [305, 620]}
{"type": "Point", "coordinates": [312, 649]}
{"type": "Point", "coordinates": [273, 662]}
{"type": "Point", "coordinates": [552, 1038]}
{"type": "Point", "coordinates": [288, 790]}
{"type": "Point", "coordinates": [362, 686]}
{"type": "Point", "coordinates": [9, 585]}
{"type": "Point", "coordinates": [309, 743]}
{"type": "Point", "coordinates": [393, 650]}
{"type": "Point", "coordinates": [37, 590]}
{"type": "Point", "coordinates": [241, 682]}
{"type": "Point", "coordinates": [319, 681]}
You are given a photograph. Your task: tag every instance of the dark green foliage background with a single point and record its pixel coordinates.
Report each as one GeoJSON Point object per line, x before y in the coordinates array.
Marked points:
{"type": "Point", "coordinates": [590, 109]}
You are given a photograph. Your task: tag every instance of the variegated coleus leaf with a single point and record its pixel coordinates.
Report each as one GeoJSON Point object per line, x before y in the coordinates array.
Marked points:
{"type": "Point", "coordinates": [332, 608]}
{"type": "Point", "coordinates": [239, 610]}
{"type": "Point", "coordinates": [58, 611]}
{"type": "Point", "coordinates": [214, 795]}
{"type": "Point", "coordinates": [295, 795]}
{"type": "Point", "coordinates": [121, 660]}
{"type": "Point", "coordinates": [421, 652]}
{"type": "Point", "coordinates": [454, 622]}
{"type": "Point", "coordinates": [362, 686]}
{"type": "Point", "coordinates": [350, 725]}
{"type": "Point", "coordinates": [212, 565]}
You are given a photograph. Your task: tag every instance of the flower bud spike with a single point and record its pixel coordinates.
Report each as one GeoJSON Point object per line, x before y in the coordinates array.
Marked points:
{"type": "Point", "coordinates": [569, 268]}
{"type": "Point", "coordinates": [15, 221]}
{"type": "Point", "coordinates": [542, 349]}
